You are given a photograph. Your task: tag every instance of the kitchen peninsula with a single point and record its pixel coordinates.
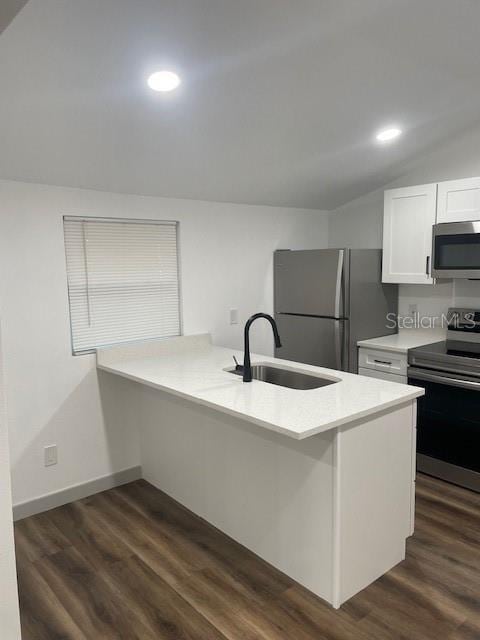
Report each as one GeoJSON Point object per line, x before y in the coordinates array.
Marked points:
{"type": "Point", "coordinates": [318, 482]}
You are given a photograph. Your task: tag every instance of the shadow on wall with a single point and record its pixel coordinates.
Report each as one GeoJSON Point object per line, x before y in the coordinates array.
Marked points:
{"type": "Point", "coordinates": [96, 417]}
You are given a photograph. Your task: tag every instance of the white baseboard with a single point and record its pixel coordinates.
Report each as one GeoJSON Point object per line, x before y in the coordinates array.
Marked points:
{"type": "Point", "coordinates": [75, 492]}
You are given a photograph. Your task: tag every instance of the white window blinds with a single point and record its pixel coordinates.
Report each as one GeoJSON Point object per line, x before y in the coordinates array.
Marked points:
{"type": "Point", "coordinates": [122, 280]}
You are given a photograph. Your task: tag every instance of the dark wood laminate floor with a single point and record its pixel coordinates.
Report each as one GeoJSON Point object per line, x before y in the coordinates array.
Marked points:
{"type": "Point", "coordinates": [131, 563]}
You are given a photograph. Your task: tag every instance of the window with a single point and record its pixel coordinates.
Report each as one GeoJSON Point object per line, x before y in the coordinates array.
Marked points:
{"type": "Point", "coordinates": [123, 281]}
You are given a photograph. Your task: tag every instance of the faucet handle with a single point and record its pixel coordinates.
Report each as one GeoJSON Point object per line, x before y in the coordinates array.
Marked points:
{"type": "Point", "coordinates": [238, 367]}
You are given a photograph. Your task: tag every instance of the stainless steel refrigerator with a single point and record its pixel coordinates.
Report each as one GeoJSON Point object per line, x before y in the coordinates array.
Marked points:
{"type": "Point", "coordinates": [328, 299]}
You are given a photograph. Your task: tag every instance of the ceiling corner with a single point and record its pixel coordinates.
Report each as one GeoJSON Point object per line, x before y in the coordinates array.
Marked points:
{"type": "Point", "coordinates": [8, 11]}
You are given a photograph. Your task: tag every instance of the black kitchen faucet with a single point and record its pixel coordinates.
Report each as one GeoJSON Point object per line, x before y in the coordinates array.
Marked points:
{"type": "Point", "coordinates": [247, 367]}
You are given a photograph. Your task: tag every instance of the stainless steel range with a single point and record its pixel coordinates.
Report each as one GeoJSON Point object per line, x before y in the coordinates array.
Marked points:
{"type": "Point", "coordinates": [448, 436]}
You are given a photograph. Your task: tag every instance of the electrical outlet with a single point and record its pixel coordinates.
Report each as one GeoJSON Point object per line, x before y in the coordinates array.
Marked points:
{"type": "Point", "coordinates": [50, 455]}
{"type": "Point", "coordinates": [233, 316]}
{"type": "Point", "coordinates": [412, 310]}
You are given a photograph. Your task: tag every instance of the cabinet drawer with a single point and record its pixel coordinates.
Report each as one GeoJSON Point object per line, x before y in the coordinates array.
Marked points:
{"type": "Point", "coordinates": [381, 375]}
{"type": "Point", "coordinates": [386, 361]}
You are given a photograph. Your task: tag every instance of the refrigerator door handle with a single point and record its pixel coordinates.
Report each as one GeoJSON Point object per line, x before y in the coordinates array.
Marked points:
{"type": "Point", "coordinates": [339, 284]}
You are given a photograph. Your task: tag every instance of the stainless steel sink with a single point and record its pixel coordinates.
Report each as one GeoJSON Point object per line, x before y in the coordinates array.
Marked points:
{"type": "Point", "coordinates": [286, 377]}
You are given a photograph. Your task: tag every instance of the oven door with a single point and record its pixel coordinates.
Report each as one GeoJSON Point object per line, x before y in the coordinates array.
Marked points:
{"type": "Point", "coordinates": [448, 426]}
{"type": "Point", "coordinates": [456, 250]}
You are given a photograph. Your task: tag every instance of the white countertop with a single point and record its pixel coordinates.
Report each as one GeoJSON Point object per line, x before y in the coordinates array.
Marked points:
{"type": "Point", "coordinates": [404, 340]}
{"type": "Point", "coordinates": [192, 368]}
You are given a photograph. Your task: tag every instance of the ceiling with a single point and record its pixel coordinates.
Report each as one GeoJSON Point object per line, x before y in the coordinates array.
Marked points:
{"type": "Point", "coordinates": [279, 102]}
{"type": "Point", "coordinates": [8, 10]}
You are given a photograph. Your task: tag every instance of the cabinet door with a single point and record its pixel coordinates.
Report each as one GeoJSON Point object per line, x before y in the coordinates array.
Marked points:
{"type": "Point", "coordinates": [409, 215]}
{"type": "Point", "coordinates": [458, 200]}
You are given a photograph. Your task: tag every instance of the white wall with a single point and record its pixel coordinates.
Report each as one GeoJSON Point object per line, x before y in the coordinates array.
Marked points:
{"type": "Point", "coordinates": [359, 223]}
{"type": "Point", "coordinates": [9, 613]}
{"type": "Point", "coordinates": [53, 397]}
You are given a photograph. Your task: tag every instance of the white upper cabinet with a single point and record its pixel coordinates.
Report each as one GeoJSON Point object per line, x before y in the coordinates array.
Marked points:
{"type": "Point", "coordinates": [409, 215]}
{"type": "Point", "coordinates": [458, 200]}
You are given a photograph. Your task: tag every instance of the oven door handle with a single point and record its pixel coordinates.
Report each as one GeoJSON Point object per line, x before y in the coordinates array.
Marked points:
{"type": "Point", "coordinates": [439, 378]}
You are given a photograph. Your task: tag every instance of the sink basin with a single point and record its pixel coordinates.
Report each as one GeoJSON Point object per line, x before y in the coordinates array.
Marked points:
{"type": "Point", "coordinates": [286, 377]}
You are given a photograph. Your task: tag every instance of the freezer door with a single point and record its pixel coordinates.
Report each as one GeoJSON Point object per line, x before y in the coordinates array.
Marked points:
{"type": "Point", "coordinates": [309, 282]}
{"type": "Point", "coordinates": [317, 341]}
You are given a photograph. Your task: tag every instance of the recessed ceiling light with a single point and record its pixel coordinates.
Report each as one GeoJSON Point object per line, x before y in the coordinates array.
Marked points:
{"type": "Point", "coordinates": [388, 134]}
{"type": "Point", "coordinates": [163, 81]}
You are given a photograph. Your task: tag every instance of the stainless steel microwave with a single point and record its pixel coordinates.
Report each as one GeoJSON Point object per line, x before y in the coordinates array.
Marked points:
{"type": "Point", "coordinates": [456, 250]}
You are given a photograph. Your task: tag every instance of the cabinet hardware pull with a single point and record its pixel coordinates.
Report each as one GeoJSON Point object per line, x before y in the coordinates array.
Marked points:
{"type": "Point", "coordinates": [383, 362]}
{"type": "Point", "coordinates": [427, 266]}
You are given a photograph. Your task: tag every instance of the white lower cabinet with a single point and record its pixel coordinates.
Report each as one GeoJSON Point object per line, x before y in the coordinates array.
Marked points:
{"type": "Point", "coordinates": [383, 364]}
{"type": "Point", "coordinates": [392, 366]}
{"type": "Point", "coordinates": [383, 361]}
{"type": "Point", "coordinates": [381, 375]}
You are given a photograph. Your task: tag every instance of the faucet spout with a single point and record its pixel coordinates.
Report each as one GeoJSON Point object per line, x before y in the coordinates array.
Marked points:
{"type": "Point", "coordinates": [247, 366]}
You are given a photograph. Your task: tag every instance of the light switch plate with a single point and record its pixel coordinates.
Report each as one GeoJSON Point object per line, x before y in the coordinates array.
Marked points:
{"type": "Point", "coordinates": [50, 455]}
{"type": "Point", "coordinates": [233, 316]}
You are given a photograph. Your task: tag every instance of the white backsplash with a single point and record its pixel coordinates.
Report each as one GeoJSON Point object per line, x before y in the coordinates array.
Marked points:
{"type": "Point", "coordinates": [434, 300]}
{"type": "Point", "coordinates": [466, 293]}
